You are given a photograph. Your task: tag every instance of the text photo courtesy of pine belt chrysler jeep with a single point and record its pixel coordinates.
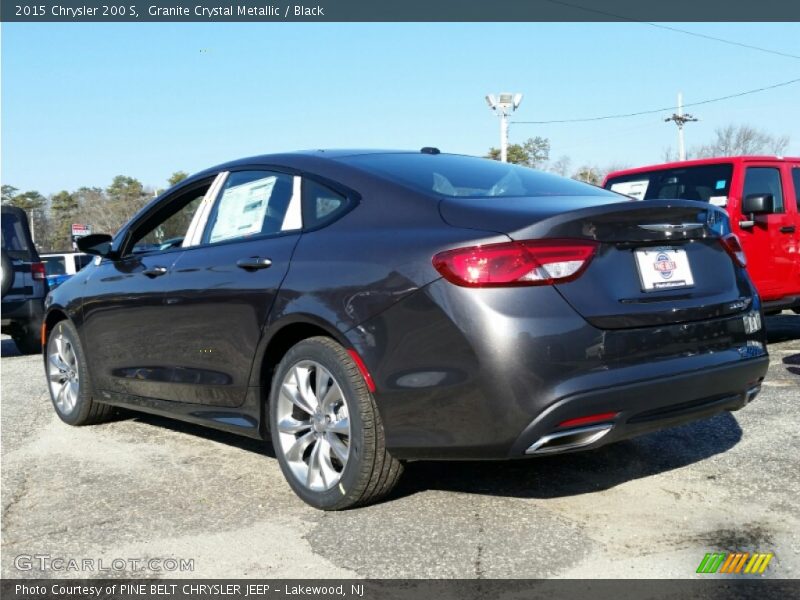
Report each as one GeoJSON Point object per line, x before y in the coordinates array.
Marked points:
{"type": "Point", "coordinates": [762, 197]}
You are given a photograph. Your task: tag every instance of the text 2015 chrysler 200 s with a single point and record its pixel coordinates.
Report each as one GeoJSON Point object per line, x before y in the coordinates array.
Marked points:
{"type": "Point", "coordinates": [362, 308]}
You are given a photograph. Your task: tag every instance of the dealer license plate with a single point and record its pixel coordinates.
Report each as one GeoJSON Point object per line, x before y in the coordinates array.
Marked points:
{"type": "Point", "coordinates": [663, 268]}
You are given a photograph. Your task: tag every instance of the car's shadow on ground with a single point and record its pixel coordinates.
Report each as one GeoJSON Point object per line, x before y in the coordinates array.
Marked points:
{"type": "Point", "coordinates": [580, 472]}
{"type": "Point", "coordinates": [792, 363]}
{"type": "Point", "coordinates": [214, 435]}
{"type": "Point", "coordinates": [9, 348]}
{"type": "Point", "coordinates": [782, 328]}
{"type": "Point", "coordinates": [552, 477]}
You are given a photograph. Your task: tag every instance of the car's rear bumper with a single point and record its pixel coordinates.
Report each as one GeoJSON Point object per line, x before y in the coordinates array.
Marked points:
{"type": "Point", "coordinates": [641, 407]}
{"type": "Point", "coordinates": [787, 302]}
{"type": "Point", "coordinates": [485, 374]}
{"type": "Point", "coordinates": [22, 314]}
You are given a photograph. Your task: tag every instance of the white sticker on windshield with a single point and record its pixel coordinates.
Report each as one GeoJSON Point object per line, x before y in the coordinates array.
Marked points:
{"type": "Point", "coordinates": [242, 208]}
{"type": "Point", "coordinates": [718, 200]}
{"type": "Point", "coordinates": [634, 189]}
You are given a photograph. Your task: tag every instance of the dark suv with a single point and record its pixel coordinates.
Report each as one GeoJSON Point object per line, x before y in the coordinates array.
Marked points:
{"type": "Point", "coordinates": [24, 285]}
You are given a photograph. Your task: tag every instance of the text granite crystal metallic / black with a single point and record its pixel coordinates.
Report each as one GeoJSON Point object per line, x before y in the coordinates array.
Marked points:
{"type": "Point", "coordinates": [371, 307]}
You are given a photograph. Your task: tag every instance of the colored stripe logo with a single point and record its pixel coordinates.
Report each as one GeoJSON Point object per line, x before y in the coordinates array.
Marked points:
{"type": "Point", "coordinates": [735, 562]}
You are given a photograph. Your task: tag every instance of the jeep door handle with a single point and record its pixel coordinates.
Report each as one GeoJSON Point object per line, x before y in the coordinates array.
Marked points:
{"type": "Point", "coordinates": [787, 229]}
{"type": "Point", "coordinates": [153, 272]}
{"type": "Point", "coordinates": [253, 263]}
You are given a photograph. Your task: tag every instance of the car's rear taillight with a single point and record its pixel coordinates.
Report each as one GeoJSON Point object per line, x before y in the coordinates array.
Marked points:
{"type": "Point", "coordinates": [37, 271]}
{"type": "Point", "coordinates": [733, 247]}
{"type": "Point", "coordinates": [533, 262]}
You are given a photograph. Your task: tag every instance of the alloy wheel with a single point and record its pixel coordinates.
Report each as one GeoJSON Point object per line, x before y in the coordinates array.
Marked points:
{"type": "Point", "coordinates": [63, 372]}
{"type": "Point", "coordinates": [313, 425]}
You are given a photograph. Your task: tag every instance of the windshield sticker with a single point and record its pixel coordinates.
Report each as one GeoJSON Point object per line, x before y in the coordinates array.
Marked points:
{"type": "Point", "coordinates": [718, 200]}
{"type": "Point", "coordinates": [634, 189]}
{"type": "Point", "coordinates": [242, 208]}
{"type": "Point", "coordinates": [721, 184]}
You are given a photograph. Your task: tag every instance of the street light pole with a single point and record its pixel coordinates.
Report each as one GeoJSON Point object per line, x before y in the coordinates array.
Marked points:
{"type": "Point", "coordinates": [680, 120]}
{"type": "Point", "coordinates": [503, 137]}
{"type": "Point", "coordinates": [503, 106]}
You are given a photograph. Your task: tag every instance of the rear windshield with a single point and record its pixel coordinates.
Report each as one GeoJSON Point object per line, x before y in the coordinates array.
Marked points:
{"type": "Point", "coordinates": [15, 238]}
{"type": "Point", "coordinates": [708, 183]}
{"type": "Point", "coordinates": [54, 265]}
{"type": "Point", "coordinates": [468, 176]}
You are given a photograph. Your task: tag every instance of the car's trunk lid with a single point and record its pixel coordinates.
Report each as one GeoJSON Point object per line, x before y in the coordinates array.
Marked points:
{"type": "Point", "coordinates": [672, 247]}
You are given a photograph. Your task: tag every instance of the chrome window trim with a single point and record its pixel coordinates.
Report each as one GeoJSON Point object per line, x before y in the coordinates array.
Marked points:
{"type": "Point", "coordinates": [293, 220]}
{"type": "Point", "coordinates": [194, 235]}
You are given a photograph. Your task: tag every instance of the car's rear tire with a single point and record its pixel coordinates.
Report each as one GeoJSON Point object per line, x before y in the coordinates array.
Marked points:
{"type": "Point", "coordinates": [28, 341]}
{"type": "Point", "coordinates": [7, 273]}
{"type": "Point", "coordinates": [331, 450]}
{"type": "Point", "coordinates": [69, 380]}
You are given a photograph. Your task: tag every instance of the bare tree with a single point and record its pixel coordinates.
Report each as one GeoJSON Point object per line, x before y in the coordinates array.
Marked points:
{"type": "Point", "coordinates": [615, 166]}
{"type": "Point", "coordinates": [561, 166]}
{"type": "Point", "coordinates": [736, 140]}
{"type": "Point", "coordinates": [588, 174]}
{"type": "Point", "coordinates": [669, 155]}
{"type": "Point", "coordinates": [107, 211]}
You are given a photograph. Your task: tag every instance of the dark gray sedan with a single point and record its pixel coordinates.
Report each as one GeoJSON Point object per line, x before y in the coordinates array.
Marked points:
{"type": "Point", "coordinates": [364, 308]}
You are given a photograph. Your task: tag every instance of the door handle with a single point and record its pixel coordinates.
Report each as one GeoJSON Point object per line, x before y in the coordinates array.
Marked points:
{"type": "Point", "coordinates": [253, 263]}
{"type": "Point", "coordinates": [788, 229]}
{"type": "Point", "coordinates": [154, 272]}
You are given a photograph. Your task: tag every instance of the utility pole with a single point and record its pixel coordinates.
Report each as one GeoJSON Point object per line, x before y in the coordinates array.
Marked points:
{"type": "Point", "coordinates": [680, 120]}
{"type": "Point", "coordinates": [503, 106]}
{"type": "Point", "coordinates": [503, 137]}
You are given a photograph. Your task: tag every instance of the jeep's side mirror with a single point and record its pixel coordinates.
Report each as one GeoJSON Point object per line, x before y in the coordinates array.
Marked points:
{"type": "Point", "coordinates": [758, 204]}
{"type": "Point", "coordinates": [98, 244]}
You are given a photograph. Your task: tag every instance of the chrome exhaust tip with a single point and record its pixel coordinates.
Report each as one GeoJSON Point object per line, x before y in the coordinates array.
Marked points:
{"type": "Point", "coordinates": [752, 393]}
{"type": "Point", "coordinates": [569, 439]}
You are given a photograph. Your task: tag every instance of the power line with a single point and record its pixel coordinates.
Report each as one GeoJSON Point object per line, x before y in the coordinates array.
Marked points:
{"type": "Point", "coordinates": [677, 30]}
{"type": "Point", "coordinates": [659, 110]}
{"type": "Point", "coordinates": [721, 40]}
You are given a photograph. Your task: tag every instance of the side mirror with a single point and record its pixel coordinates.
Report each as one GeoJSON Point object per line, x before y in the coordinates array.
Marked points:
{"type": "Point", "coordinates": [758, 204]}
{"type": "Point", "coordinates": [98, 244]}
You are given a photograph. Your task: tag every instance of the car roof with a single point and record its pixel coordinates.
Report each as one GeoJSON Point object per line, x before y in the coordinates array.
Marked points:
{"type": "Point", "coordinates": [298, 158]}
{"type": "Point", "coordinates": [703, 161]}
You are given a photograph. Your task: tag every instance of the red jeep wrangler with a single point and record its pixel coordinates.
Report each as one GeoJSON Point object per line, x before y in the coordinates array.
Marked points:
{"type": "Point", "coordinates": [762, 197]}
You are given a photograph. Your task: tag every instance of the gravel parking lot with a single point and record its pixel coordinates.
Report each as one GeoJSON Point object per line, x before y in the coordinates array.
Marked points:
{"type": "Point", "coordinates": [145, 487]}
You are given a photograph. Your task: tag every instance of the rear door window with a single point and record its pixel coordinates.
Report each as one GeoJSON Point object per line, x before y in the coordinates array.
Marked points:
{"type": "Point", "coordinates": [796, 180]}
{"type": "Point", "coordinates": [764, 180]}
{"type": "Point", "coordinates": [55, 265]}
{"type": "Point", "coordinates": [252, 203]}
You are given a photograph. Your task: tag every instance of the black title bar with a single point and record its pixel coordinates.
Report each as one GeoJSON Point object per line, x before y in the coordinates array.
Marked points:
{"type": "Point", "coordinates": [397, 10]}
{"type": "Point", "coordinates": [733, 588]}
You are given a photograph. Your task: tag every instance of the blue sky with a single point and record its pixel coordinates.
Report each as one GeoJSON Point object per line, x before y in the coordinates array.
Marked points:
{"type": "Point", "coordinates": [82, 103]}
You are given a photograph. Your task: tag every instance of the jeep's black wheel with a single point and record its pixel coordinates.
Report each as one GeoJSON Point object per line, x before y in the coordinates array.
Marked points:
{"type": "Point", "coordinates": [7, 274]}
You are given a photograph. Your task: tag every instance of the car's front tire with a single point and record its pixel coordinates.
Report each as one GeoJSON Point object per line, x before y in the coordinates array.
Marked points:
{"type": "Point", "coordinates": [69, 380]}
{"type": "Point", "coordinates": [326, 430]}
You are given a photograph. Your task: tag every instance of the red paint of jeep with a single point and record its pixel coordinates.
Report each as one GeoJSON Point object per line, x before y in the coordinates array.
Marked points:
{"type": "Point", "coordinates": [762, 197]}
